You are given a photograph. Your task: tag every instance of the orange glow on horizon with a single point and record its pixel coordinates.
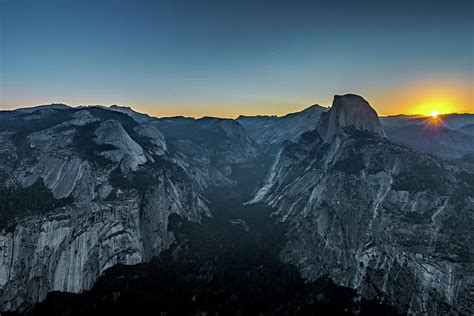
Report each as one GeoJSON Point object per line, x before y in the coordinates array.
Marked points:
{"type": "Point", "coordinates": [420, 96]}
{"type": "Point", "coordinates": [434, 122]}
{"type": "Point", "coordinates": [425, 96]}
{"type": "Point", "coordinates": [434, 106]}
{"type": "Point", "coordinates": [434, 113]}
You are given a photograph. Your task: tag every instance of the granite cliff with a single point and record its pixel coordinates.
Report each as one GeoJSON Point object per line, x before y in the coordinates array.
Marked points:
{"type": "Point", "coordinates": [373, 215]}
{"type": "Point", "coordinates": [83, 190]}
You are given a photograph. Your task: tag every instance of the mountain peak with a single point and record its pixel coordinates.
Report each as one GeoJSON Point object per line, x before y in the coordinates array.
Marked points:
{"type": "Point", "coordinates": [137, 116]}
{"type": "Point", "coordinates": [349, 110]}
{"type": "Point", "coordinates": [52, 106]}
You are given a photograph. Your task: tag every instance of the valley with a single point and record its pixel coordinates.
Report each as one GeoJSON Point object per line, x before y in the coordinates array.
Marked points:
{"type": "Point", "coordinates": [228, 264]}
{"type": "Point", "coordinates": [106, 209]}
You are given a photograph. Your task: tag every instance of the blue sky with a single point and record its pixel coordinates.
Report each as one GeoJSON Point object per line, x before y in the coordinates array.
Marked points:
{"type": "Point", "coordinates": [226, 58]}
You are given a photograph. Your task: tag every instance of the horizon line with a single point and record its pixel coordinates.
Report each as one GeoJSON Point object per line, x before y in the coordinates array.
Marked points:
{"type": "Point", "coordinates": [221, 117]}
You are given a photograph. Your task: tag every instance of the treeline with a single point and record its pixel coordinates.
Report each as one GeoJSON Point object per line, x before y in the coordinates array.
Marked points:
{"type": "Point", "coordinates": [20, 202]}
{"type": "Point", "coordinates": [215, 269]}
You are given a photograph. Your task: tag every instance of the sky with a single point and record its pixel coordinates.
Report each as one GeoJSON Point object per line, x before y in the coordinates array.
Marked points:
{"type": "Point", "coordinates": [225, 58]}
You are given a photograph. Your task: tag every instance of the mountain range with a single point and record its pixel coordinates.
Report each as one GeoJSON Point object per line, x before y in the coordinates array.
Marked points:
{"type": "Point", "coordinates": [371, 213]}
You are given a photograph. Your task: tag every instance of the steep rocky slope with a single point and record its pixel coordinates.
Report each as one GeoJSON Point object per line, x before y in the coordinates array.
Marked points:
{"type": "Point", "coordinates": [228, 264]}
{"type": "Point", "coordinates": [274, 130]}
{"type": "Point", "coordinates": [82, 190]}
{"type": "Point", "coordinates": [209, 148]}
{"type": "Point", "coordinates": [349, 111]}
{"type": "Point", "coordinates": [373, 215]}
{"type": "Point", "coordinates": [447, 136]}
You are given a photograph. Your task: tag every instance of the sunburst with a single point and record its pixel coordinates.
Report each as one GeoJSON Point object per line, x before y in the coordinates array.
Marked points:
{"type": "Point", "coordinates": [434, 113]}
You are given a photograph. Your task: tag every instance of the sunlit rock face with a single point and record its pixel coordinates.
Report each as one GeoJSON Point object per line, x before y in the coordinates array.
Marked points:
{"type": "Point", "coordinates": [375, 216]}
{"type": "Point", "coordinates": [82, 190]}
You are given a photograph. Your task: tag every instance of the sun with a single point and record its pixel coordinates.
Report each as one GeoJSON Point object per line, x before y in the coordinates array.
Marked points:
{"type": "Point", "coordinates": [434, 113]}
{"type": "Point", "coordinates": [434, 106]}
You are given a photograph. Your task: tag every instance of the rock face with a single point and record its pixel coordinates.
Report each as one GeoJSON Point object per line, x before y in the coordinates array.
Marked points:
{"type": "Point", "coordinates": [82, 190]}
{"type": "Point", "coordinates": [152, 131]}
{"type": "Point", "coordinates": [448, 136]}
{"type": "Point", "coordinates": [208, 148]}
{"type": "Point", "coordinates": [126, 149]}
{"type": "Point", "coordinates": [373, 215]}
{"type": "Point", "coordinates": [349, 111]}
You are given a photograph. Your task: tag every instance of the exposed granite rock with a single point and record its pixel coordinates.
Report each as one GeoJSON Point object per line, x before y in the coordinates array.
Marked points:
{"type": "Point", "coordinates": [112, 133]}
{"type": "Point", "coordinates": [117, 208]}
{"type": "Point", "coordinates": [349, 111]}
{"type": "Point", "coordinates": [375, 216]}
{"type": "Point", "coordinates": [152, 131]}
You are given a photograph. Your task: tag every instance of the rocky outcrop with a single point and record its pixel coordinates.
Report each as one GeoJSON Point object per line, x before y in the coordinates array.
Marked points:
{"type": "Point", "coordinates": [151, 131]}
{"type": "Point", "coordinates": [375, 216]}
{"type": "Point", "coordinates": [113, 134]}
{"type": "Point", "coordinates": [349, 111]}
{"type": "Point", "coordinates": [447, 136]}
{"type": "Point", "coordinates": [115, 202]}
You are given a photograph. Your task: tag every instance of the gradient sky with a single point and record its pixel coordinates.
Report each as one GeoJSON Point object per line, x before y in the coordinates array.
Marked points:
{"type": "Point", "coordinates": [225, 58]}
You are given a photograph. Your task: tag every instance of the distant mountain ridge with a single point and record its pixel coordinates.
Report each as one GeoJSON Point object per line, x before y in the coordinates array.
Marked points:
{"type": "Point", "coordinates": [453, 139]}
{"type": "Point", "coordinates": [277, 129]}
{"type": "Point", "coordinates": [447, 136]}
